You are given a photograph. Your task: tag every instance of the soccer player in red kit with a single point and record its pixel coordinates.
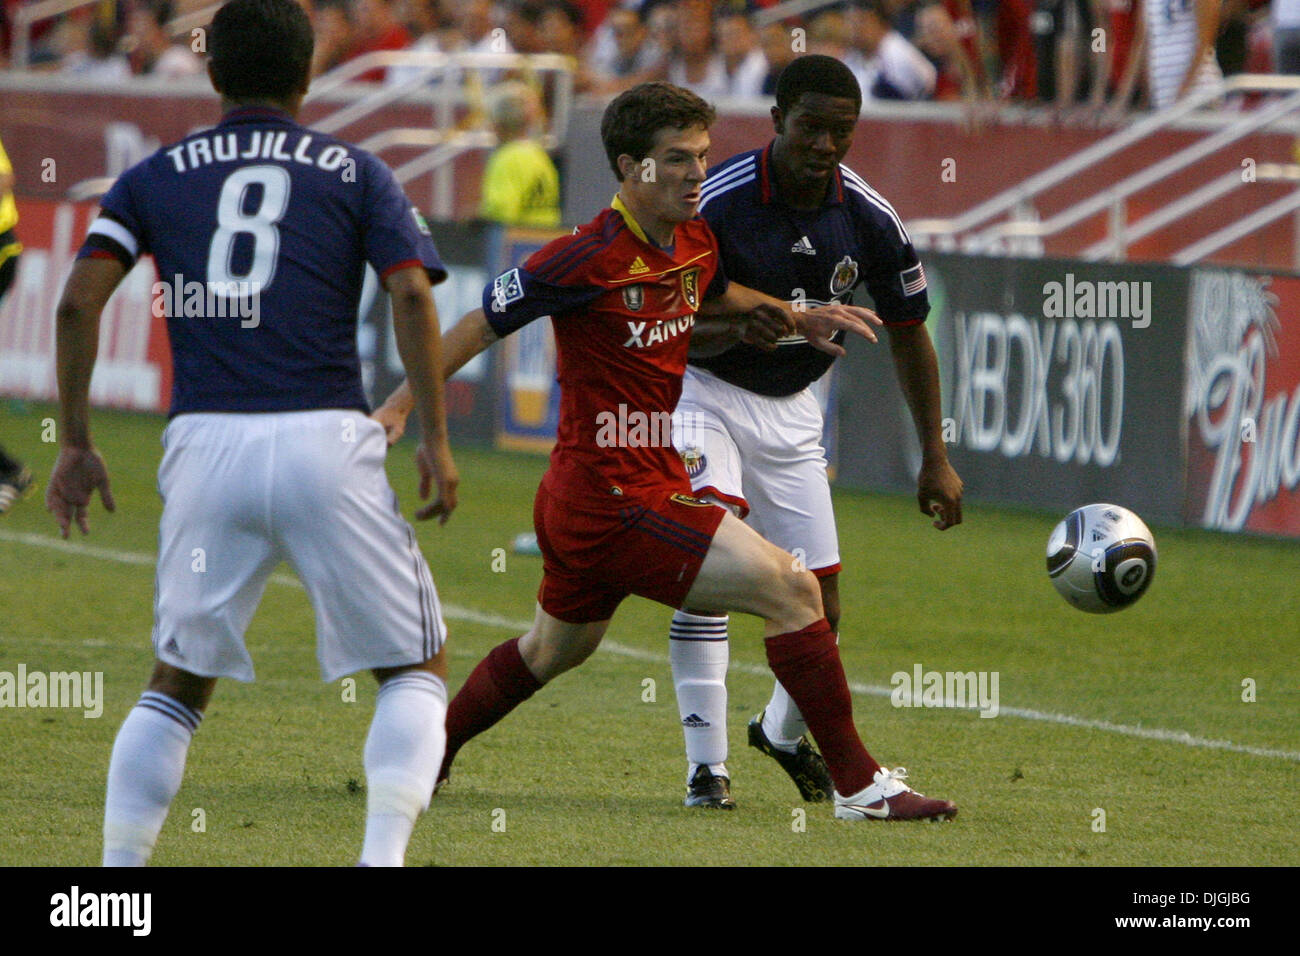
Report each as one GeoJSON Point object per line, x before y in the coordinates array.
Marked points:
{"type": "Point", "coordinates": [614, 514]}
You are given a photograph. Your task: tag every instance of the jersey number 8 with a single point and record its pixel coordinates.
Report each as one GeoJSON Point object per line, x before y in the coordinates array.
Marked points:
{"type": "Point", "coordinates": [259, 223]}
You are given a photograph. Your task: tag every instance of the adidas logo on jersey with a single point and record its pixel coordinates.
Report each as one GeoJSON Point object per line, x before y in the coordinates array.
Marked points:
{"type": "Point", "coordinates": [695, 720]}
{"type": "Point", "coordinates": [637, 267]}
{"type": "Point", "coordinates": [804, 246]}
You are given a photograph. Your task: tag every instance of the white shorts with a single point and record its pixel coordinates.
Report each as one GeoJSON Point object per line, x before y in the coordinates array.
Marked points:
{"type": "Point", "coordinates": [762, 456]}
{"type": "Point", "coordinates": [243, 492]}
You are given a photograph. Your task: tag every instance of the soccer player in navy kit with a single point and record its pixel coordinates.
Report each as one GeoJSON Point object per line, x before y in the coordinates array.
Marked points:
{"type": "Point", "coordinates": [793, 222]}
{"type": "Point", "coordinates": [261, 230]}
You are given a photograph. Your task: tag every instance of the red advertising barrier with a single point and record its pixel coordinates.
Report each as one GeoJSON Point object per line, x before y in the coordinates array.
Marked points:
{"type": "Point", "coordinates": [133, 370]}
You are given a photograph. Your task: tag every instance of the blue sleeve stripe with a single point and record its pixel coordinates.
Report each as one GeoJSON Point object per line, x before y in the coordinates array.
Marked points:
{"type": "Point", "coordinates": [856, 183]}
{"type": "Point", "coordinates": [717, 180]}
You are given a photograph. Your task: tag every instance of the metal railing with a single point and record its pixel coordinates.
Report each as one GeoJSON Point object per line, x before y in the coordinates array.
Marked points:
{"type": "Point", "coordinates": [456, 80]}
{"type": "Point", "coordinates": [1023, 232]}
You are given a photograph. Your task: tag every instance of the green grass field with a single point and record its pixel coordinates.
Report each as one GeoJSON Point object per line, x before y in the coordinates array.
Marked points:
{"type": "Point", "coordinates": [1138, 714]}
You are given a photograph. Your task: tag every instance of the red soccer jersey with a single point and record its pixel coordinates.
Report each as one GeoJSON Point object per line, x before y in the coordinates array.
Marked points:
{"type": "Point", "coordinates": [622, 310]}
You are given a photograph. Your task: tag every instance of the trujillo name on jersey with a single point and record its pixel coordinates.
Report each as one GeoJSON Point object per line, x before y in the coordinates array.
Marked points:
{"type": "Point", "coordinates": [274, 210]}
{"type": "Point", "coordinates": [622, 310]}
{"type": "Point", "coordinates": [811, 257]}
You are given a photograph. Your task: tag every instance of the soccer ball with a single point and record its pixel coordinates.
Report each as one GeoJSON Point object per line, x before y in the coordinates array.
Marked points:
{"type": "Point", "coordinates": [1101, 558]}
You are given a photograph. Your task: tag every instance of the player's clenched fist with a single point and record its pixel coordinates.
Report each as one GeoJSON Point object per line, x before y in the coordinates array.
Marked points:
{"type": "Point", "coordinates": [78, 472]}
{"type": "Point", "coordinates": [765, 325]}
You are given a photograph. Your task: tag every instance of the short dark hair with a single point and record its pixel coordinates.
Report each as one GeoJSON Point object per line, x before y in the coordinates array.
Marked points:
{"type": "Point", "coordinates": [633, 119]}
{"type": "Point", "coordinates": [260, 49]}
{"type": "Point", "coordinates": [815, 73]}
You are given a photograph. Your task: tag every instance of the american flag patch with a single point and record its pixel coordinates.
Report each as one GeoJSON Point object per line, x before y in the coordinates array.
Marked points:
{"type": "Point", "coordinates": [913, 279]}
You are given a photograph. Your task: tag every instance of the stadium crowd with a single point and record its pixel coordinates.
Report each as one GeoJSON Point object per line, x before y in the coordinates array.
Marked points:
{"type": "Point", "coordinates": [1079, 57]}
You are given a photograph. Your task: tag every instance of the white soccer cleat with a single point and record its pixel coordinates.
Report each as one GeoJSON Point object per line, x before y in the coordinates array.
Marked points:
{"type": "Point", "coordinates": [888, 798]}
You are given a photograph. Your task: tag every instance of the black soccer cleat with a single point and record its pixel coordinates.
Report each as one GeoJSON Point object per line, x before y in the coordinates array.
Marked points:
{"type": "Point", "coordinates": [709, 791]}
{"type": "Point", "coordinates": [14, 484]}
{"type": "Point", "coordinates": [806, 767]}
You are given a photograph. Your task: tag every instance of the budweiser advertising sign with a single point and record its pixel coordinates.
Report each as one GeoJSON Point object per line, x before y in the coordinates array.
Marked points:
{"type": "Point", "coordinates": [1242, 402]}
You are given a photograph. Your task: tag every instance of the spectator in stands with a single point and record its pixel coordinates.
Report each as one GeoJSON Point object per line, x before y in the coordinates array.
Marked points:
{"type": "Point", "coordinates": [92, 54]}
{"type": "Point", "coordinates": [520, 184]}
{"type": "Point", "coordinates": [828, 34]}
{"type": "Point", "coordinates": [559, 28]}
{"type": "Point", "coordinates": [560, 31]}
{"type": "Point", "coordinates": [887, 67]}
{"type": "Point", "coordinates": [332, 26]}
{"type": "Point", "coordinates": [735, 68]}
{"type": "Point", "coordinates": [620, 48]}
{"type": "Point", "coordinates": [1071, 65]}
{"type": "Point", "coordinates": [1012, 44]}
{"type": "Point", "coordinates": [693, 62]}
{"type": "Point", "coordinates": [523, 26]}
{"type": "Point", "coordinates": [476, 29]}
{"type": "Point", "coordinates": [742, 58]}
{"type": "Point", "coordinates": [377, 29]}
{"type": "Point", "coordinates": [936, 37]}
{"type": "Point", "coordinates": [777, 41]}
{"type": "Point", "coordinates": [660, 18]}
{"type": "Point", "coordinates": [153, 53]}
{"type": "Point", "coordinates": [1175, 41]}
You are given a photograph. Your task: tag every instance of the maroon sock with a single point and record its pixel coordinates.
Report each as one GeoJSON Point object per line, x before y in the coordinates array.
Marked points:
{"type": "Point", "coordinates": [807, 663]}
{"type": "Point", "coordinates": [499, 684]}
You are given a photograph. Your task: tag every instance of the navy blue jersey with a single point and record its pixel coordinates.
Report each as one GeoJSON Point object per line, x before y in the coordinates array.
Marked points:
{"type": "Point", "coordinates": [815, 256]}
{"type": "Point", "coordinates": [260, 229]}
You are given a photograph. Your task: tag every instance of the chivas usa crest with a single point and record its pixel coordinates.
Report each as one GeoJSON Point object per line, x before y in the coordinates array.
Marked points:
{"type": "Point", "coordinates": [691, 287]}
{"type": "Point", "coordinates": [633, 297]}
{"type": "Point", "coordinates": [845, 276]}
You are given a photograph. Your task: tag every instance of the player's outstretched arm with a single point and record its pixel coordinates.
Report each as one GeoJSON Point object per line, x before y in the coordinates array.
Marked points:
{"type": "Point", "coordinates": [939, 489]}
{"type": "Point", "coordinates": [79, 470]}
{"type": "Point", "coordinates": [419, 342]}
{"type": "Point", "coordinates": [817, 324]}
{"type": "Point", "coordinates": [466, 339]}
{"type": "Point", "coordinates": [740, 314]}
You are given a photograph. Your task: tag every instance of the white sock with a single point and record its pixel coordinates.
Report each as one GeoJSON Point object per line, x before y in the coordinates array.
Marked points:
{"type": "Point", "coordinates": [782, 722]}
{"type": "Point", "coordinates": [144, 774]}
{"type": "Point", "coordinates": [698, 650]}
{"type": "Point", "coordinates": [403, 751]}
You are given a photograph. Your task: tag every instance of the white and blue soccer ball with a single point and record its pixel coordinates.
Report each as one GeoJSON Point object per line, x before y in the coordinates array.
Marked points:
{"type": "Point", "coordinates": [1101, 558]}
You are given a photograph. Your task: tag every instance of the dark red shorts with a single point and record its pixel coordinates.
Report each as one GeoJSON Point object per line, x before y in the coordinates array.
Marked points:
{"type": "Point", "coordinates": [597, 548]}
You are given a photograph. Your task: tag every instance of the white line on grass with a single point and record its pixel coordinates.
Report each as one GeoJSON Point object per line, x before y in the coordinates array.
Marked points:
{"type": "Point", "coordinates": [471, 616]}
